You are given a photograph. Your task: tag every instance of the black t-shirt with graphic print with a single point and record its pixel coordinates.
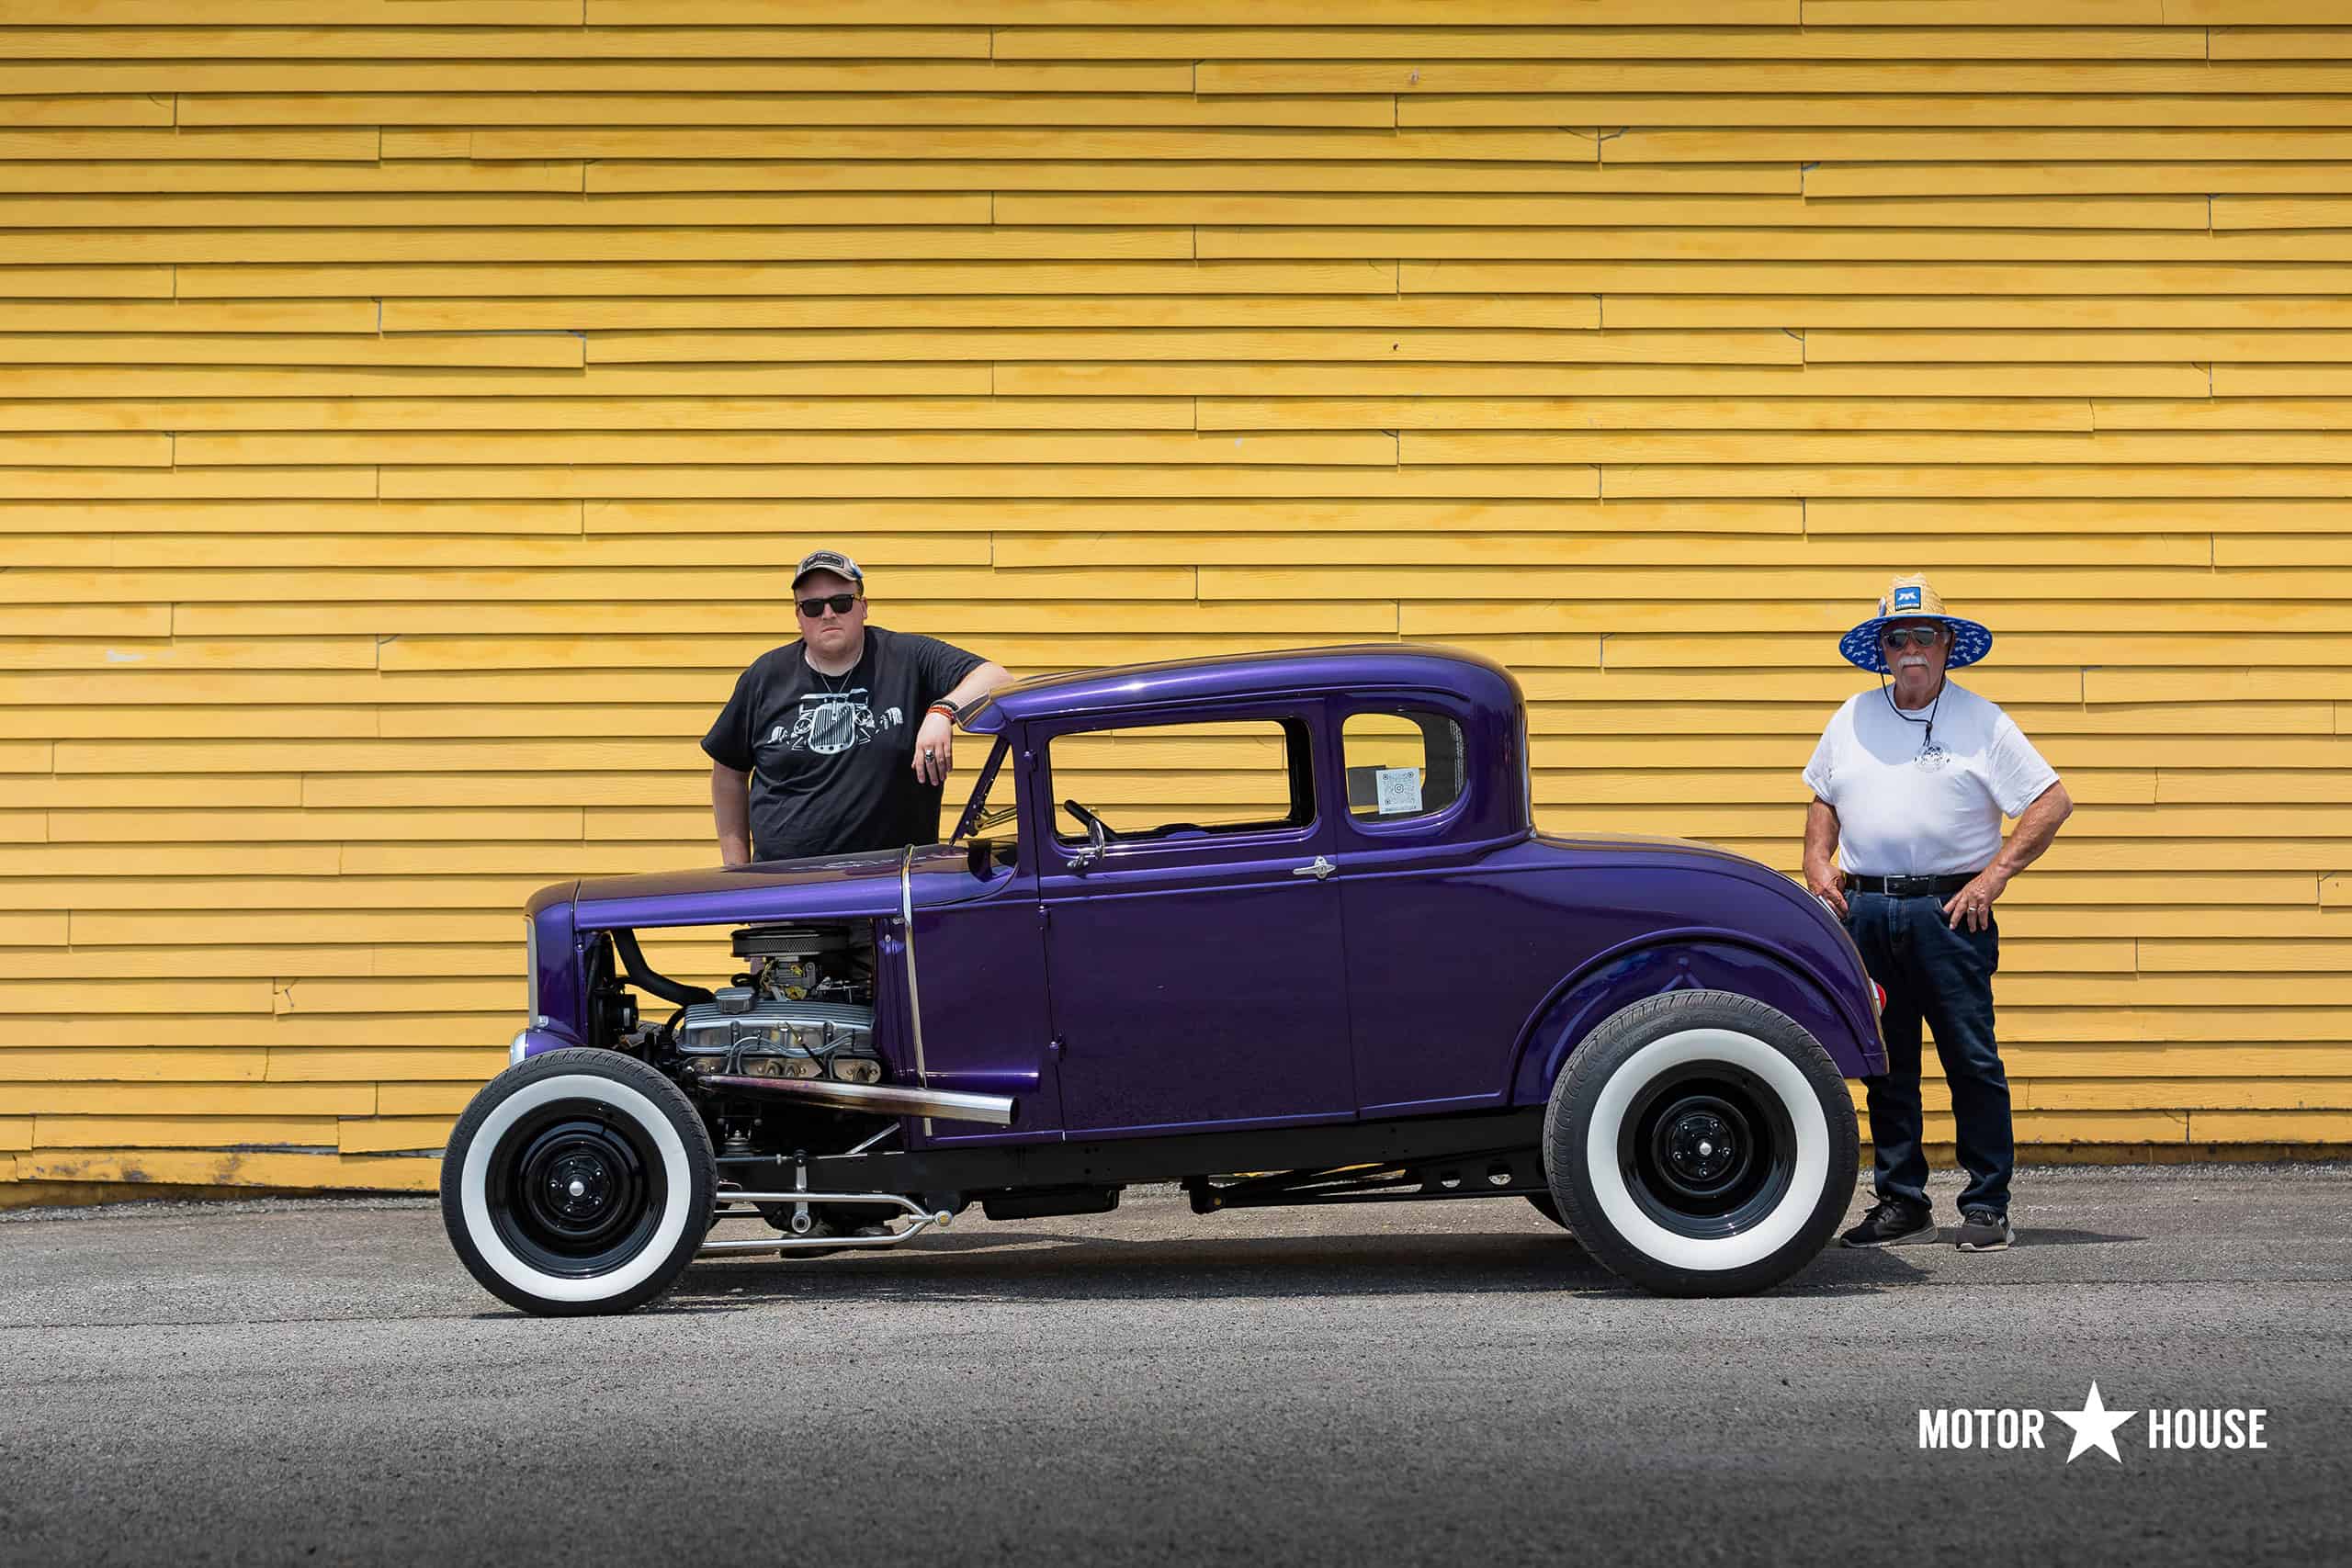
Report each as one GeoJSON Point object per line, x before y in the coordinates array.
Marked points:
{"type": "Point", "coordinates": [831, 757]}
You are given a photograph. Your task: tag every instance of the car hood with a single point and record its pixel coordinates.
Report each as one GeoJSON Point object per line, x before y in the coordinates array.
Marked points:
{"type": "Point", "coordinates": [855, 886]}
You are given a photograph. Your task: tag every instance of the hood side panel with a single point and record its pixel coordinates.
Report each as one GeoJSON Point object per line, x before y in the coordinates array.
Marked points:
{"type": "Point", "coordinates": [862, 886]}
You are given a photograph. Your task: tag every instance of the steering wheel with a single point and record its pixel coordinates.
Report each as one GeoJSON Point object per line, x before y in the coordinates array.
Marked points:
{"type": "Point", "coordinates": [1087, 818]}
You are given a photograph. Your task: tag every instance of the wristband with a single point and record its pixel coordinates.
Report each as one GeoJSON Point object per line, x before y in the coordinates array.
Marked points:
{"type": "Point", "coordinates": [950, 709]}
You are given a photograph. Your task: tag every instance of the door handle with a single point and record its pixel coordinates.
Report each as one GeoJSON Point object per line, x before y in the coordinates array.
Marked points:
{"type": "Point", "coordinates": [1318, 869]}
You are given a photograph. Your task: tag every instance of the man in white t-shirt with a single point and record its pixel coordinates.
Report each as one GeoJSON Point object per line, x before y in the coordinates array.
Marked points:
{"type": "Point", "coordinates": [1910, 784]}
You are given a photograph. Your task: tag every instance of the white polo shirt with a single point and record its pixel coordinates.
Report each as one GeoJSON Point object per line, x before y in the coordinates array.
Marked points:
{"type": "Point", "coordinates": [1906, 808]}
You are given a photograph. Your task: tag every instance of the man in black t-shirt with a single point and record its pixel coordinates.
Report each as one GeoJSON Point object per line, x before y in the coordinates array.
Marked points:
{"type": "Point", "coordinates": [840, 742]}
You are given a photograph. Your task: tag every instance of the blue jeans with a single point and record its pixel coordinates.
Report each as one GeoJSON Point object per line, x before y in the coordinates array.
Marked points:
{"type": "Point", "coordinates": [1943, 978]}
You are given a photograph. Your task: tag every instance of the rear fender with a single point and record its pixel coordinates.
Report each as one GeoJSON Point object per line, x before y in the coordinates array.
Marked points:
{"type": "Point", "coordinates": [1692, 961]}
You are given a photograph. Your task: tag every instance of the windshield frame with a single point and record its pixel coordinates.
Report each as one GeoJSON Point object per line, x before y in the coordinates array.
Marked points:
{"type": "Point", "coordinates": [974, 807]}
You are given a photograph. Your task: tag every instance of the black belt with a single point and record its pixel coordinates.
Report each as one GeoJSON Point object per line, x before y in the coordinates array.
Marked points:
{"type": "Point", "coordinates": [1911, 886]}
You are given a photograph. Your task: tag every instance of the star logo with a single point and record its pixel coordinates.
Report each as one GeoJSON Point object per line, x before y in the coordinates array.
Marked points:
{"type": "Point", "coordinates": [2094, 1427]}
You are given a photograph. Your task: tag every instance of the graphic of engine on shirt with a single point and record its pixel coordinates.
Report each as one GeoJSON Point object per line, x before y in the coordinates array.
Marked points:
{"type": "Point", "coordinates": [829, 722]}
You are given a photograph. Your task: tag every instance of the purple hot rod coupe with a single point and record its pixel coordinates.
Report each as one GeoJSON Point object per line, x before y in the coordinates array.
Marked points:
{"type": "Point", "coordinates": [1363, 974]}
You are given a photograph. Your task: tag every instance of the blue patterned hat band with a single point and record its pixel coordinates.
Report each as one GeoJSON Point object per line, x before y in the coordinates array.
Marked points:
{"type": "Point", "coordinates": [1914, 599]}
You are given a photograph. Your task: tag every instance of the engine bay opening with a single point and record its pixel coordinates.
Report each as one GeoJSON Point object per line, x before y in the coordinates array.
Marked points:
{"type": "Point", "coordinates": [799, 1006]}
{"type": "Point", "coordinates": [793, 1007]}
{"type": "Point", "coordinates": [802, 1008]}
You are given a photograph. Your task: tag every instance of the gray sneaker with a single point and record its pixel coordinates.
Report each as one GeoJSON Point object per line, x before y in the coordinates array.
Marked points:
{"type": "Point", "coordinates": [1892, 1222]}
{"type": "Point", "coordinates": [1981, 1230]}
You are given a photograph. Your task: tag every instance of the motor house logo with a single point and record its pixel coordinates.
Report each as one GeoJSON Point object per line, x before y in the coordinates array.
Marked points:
{"type": "Point", "coordinates": [2237, 1429]}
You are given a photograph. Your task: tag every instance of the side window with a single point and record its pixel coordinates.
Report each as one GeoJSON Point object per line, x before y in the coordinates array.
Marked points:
{"type": "Point", "coordinates": [1402, 763]}
{"type": "Point", "coordinates": [1175, 781]}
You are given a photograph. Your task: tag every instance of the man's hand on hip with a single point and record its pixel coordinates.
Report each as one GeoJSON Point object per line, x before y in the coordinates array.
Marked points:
{"type": "Point", "coordinates": [1829, 883]}
{"type": "Point", "coordinates": [935, 748]}
{"type": "Point", "coordinates": [1973, 903]}
{"type": "Point", "coordinates": [1821, 873]}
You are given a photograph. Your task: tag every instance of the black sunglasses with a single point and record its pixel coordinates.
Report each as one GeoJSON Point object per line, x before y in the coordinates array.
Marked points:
{"type": "Point", "coordinates": [1917, 637]}
{"type": "Point", "coordinates": [813, 608]}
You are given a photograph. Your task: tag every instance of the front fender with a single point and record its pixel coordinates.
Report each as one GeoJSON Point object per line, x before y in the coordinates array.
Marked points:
{"type": "Point", "coordinates": [1684, 960]}
{"type": "Point", "coordinates": [529, 1043]}
{"type": "Point", "coordinates": [558, 982]}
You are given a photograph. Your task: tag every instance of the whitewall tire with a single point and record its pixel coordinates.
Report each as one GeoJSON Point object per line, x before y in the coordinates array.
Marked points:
{"type": "Point", "coordinates": [577, 1181]}
{"type": "Point", "coordinates": [1701, 1144]}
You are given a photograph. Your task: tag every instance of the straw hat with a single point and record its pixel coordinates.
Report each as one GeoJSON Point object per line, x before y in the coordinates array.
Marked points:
{"type": "Point", "coordinates": [1911, 598]}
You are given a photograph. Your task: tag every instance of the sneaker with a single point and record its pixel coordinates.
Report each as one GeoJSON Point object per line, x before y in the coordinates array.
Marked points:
{"type": "Point", "coordinates": [1981, 1230]}
{"type": "Point", "coordinates": [1893, 1222]}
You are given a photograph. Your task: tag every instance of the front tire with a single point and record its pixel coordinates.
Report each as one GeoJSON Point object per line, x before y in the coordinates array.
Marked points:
{"type": "Point", "coordinates": [578, 1182]}
{"type": "Point", "coordinates": [1701, 1144]}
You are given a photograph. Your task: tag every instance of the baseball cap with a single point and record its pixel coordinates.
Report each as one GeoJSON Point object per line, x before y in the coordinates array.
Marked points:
{"type": "Point", "coordinates": [833, 562]}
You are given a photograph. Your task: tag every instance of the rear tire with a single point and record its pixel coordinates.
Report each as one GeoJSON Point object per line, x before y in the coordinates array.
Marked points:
{"type": "Point", "coordinates": [578, 1182]}
{"type": "Point", "coordinates": [1701, 1144]}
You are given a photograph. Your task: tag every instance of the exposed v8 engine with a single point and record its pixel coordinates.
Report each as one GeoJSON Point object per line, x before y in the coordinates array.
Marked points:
{"type": "Point", "coordinates": [805, 1013]}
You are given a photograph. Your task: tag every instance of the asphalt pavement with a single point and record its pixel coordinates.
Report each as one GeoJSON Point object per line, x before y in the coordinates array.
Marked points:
{"type": "Point", "coordinates": [320, 1382]}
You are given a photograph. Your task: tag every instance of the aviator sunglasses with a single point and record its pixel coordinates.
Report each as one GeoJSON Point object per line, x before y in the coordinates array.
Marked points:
{"type": "Point", "coordinates": [1917, 637]}
{"type": "Point", "coordinates": [813, 608]}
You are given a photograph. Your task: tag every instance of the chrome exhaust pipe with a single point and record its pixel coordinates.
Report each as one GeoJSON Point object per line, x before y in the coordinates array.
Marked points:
{"type": "Point", "coordinates": [889, 1099]}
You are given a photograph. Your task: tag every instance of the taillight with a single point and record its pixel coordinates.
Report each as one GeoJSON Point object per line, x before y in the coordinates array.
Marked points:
{"type": "Point", "coordinates": [1878, 999]}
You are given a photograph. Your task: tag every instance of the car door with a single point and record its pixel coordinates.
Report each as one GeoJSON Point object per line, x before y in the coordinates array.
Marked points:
{"type": "Point", "coordinates": [1194, 962]}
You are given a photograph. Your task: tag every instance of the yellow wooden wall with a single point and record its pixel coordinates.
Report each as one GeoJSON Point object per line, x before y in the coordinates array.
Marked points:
{"type": "Point", "coordinates": [405, 406]}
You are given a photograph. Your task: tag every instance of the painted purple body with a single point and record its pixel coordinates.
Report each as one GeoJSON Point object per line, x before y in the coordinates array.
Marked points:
{"type": "Point", "coordinates": [1445, 963]}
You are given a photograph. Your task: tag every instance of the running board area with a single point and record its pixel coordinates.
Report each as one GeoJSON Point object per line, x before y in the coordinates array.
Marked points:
{"type": "Point", "coordinates": [1485, 1173]}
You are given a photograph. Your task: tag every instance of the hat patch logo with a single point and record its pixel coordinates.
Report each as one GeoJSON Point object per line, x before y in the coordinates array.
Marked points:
{"type": "Point", "coordinates": [1907, 598]}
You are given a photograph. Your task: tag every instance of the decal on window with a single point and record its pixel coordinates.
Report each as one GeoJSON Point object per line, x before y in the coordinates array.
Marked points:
{"type": "Point", "coordinates": [1398, 790]}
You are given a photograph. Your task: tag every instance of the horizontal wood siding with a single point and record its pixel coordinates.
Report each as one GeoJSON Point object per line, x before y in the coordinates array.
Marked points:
{"type": "Point", "coordinates": [406, 409]}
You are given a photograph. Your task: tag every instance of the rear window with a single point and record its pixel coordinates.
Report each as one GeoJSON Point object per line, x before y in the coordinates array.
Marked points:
{"type": "Point", "coordinates": [1402, 763]}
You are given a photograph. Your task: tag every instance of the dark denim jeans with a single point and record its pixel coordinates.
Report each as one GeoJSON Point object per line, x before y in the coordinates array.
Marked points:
{"type": "Point", "coordinates": [1943, 978]}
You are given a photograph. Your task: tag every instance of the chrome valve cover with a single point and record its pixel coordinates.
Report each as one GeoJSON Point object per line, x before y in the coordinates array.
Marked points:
{"type": "Point", "coordinates": [775, 1028]}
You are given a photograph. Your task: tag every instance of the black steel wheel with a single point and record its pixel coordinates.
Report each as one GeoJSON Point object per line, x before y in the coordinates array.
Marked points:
{"type": "Point", "coordinates": [579, 1182]}
{"type": "Point", "coordinates": [1701, 1144]}
{"type": "Point", "coordinates": [1708, 1149]}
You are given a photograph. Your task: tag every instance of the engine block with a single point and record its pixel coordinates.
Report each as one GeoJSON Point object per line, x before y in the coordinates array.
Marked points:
{"type": "Point", "coordinates": [779, 1038]}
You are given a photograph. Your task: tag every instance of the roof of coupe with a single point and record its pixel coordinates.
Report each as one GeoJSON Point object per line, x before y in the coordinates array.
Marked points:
{"type": "Point", "coordinates": [1241, 677]}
